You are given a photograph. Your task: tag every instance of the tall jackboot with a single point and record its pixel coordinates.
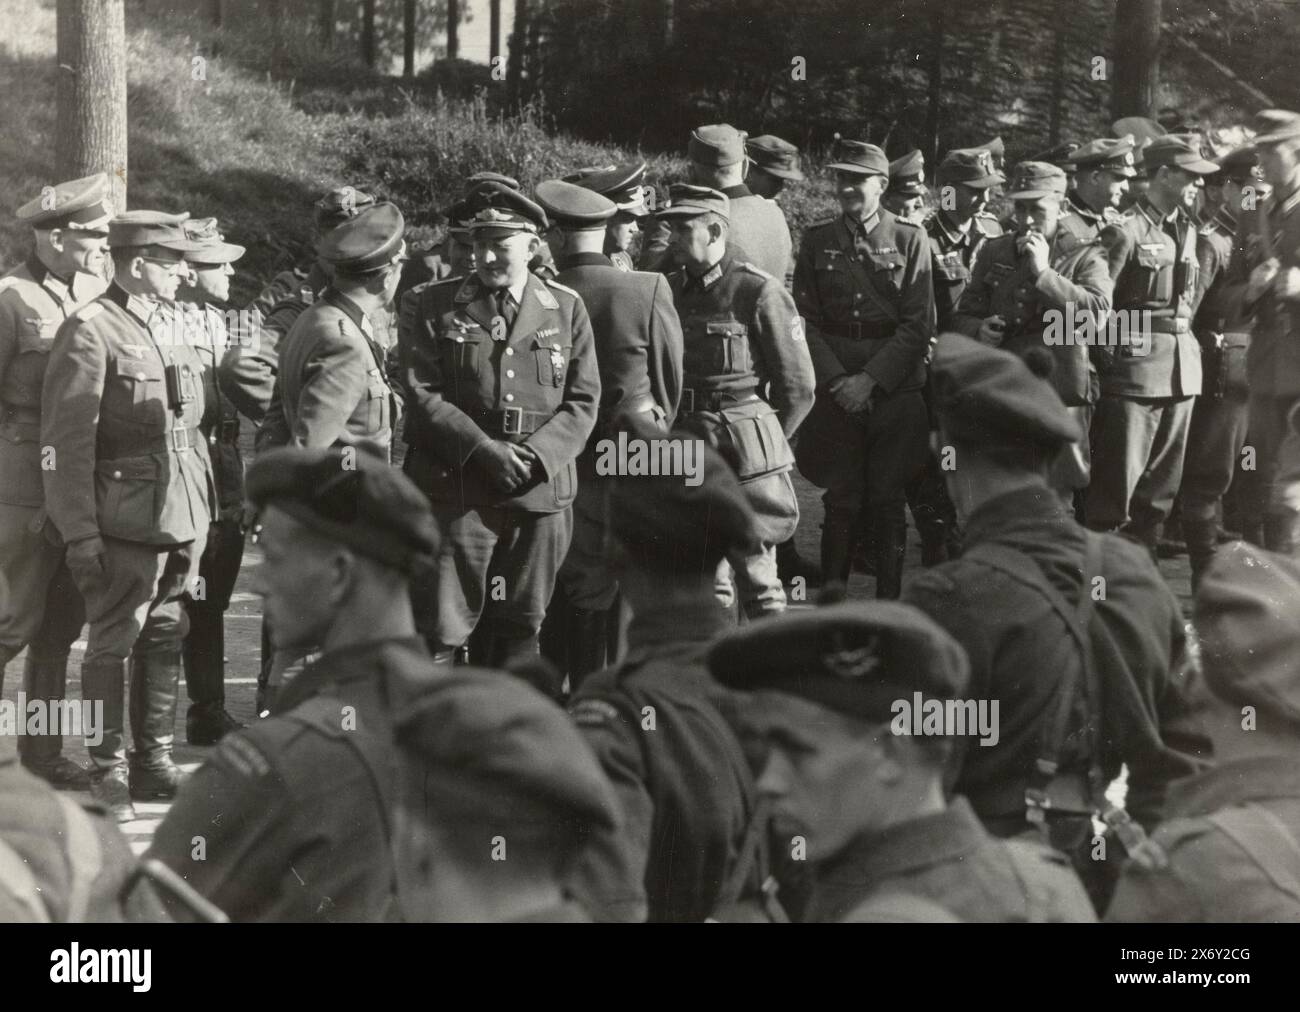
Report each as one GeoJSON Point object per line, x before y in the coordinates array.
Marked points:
{"type": "Point", "coordinates": [1201, 536]}
{"type": "Point", "coordinates": [204, 650]}
{"type": "Point", "coordinates": [555, 638]}
{"type": "Point", "coordinates": [890, 537]}
{"type": "Point", "coordinates": [1282, 533]}
{"type": "Point", "coordinates": [789, 564]}
{"type": "Point", "coordinates": [588, 642]}
{"type": "Point", "coordinates": [103, 682]}
{"type": "Point", "coordinates": [839, 532]}
{"type": "Point", "coordinates": [155, 680]}
{"type": "Point", "coordinates": [46, 679]}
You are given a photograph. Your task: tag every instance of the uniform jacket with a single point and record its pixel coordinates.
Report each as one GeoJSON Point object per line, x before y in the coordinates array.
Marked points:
{"type": "Point", "coordinates": [954, 256]}
{"type": "Point", "coordinates": [1231, 842]}
{"type": "Point", "coordinates": [1020, 652]}
{"type": "Point", "coordinates": [305, 281]}
{"type": "Point", "coordinates": [685, 789]}
{"type": "Point", "coordinates": [126, 466]}
{"type": "Point", "coordinates": [332, 386]}
{"type": "Point", "coordinates": [206, 329]}
{"type": "Point", "coordinates": [1222, 323]}
{"type": "Point", "coordinates": [949, 858]}
{"type": "Point", "coordinates": [460, 379]}
{"type": "Point", "coordinates": [1274, 360]}
{"type": "Point", "coordinates": [33, 304]}
{"type": "Point", "coordinates": [295, 809]}
{"type": "Point", "coordinates": [251, 363]}
{"type": "Point", "coordinates": [758, 226]}
{"type": "Point", "coordinates": [1155, 271]}
{"type": "Point", "coordinates": [1090, 221]}
{"type": "Point", "coordinates": [1076, 284]}
{"type": "Point", "coordinates": [867, 299]}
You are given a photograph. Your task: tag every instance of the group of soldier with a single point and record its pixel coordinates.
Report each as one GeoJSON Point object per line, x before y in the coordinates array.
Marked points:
{"type": "Point", "coordinates": [501, 683]}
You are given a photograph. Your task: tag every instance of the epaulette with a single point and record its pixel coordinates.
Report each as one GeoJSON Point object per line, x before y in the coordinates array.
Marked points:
{"type": "Point", "coordinates": [908, 222]}
{"type": "Point", "coordinates": [89, 311]}
{"type": "Point", "coordinates": [590, 712]}
{"type": "Point", "coordinates": [564, 288]}
{"type": "Point", "coordinates": [745, 265]}
{"type": "Point", "coordinates": [822, 224]}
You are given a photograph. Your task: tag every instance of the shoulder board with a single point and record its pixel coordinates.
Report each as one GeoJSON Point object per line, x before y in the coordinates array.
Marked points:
{"type": "Point", "coordinates": [908, 222]}
{"type": "Point", "coordinates": [822, 224]}
{"type": "Point", "coordinates": [563, 288]}
{"type": "Point", "coordinates": [7, 283]}
{"type": "Point", "coordinates": [89, 311]}
{"type": "Point", "coordinates": [745, 265]}
{"type": "Point", "coordinates": [593, 712]}
{"type": "Point", "coordinates": [1176, 831]}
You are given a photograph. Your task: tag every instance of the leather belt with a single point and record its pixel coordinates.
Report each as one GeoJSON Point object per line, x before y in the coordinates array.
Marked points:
{"type": "Point", "coordinates": [23, 415]}
{"type": "Point", "coordinates": [699, 399]}
{"type": "Point", "coordinates": [869, 331]}
{"type": "Point", "coordinates": [1170, 325]}
{"type": "Point", "coordinates": [517, 421]}
{"type": "Point", "coordinates": [179, 439]}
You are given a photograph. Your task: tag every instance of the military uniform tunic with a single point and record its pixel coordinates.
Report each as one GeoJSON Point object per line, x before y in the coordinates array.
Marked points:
{"type": "Point", "coordinates": [955, 253]}
{"type": "Point", "coordinates": [1091, 221]}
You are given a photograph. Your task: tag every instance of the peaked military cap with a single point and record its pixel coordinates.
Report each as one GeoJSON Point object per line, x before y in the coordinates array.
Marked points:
{"type": "Point", "coordinates": [155, 233]}
{"type": "Point", "coordinates": [1141, 128]}
{"type": "Point", "coordinates": [369, 241]}
{"type": "Point", "coordinates": [1245, 614]}
{"type": "Point", "coordinates": [489, 745]}
{"type": "Point", "coordinates": [1241, 165]}
{"type": "Point", "coordinates": [855, 657]}
{"type": "Point", "coordinates": [1107, 154]}
{"type": "Point", "coordinates": [459, 216]}
{"type": "Point", "coordinates": [685, 200]}
{"type": "Point", "coordinates": [907, 174]}
{"type": "Point", "coordinates": [774, 156]}
{"type": "Point", "coordinates": [341, 204]}
{"type": "Point", "coordinates": [1179, 152]}
{"type": "Point", "coordinates": [717, 144]}
{"type": "Point", "coordinates": [82, 204]}
{"type": "Point", "coordinates": [215, 250]}
{"type": "Point", "coordinates": [1031, 180]}
{"type": "Point", "coordinates": [1272, 126]}
{"type": "Point", "coordinates": [1062, 155]}
{"type": "Point", "coordinates": [621, 184]}
{"type": "Point", "coordinates": [350, 495]}
{"type": "Point", "coordinates": [500, 210]}
{"type": "Point", "coordinates": [997, 149]}
{"type": "Point", "coordinates": [990, 395]}
{"type": "Point", "coordinates": [858, 156]}
{"type": "Point", "coordinates": [970, 167]}
{"type": "Point", "coordinates": [476, 180]}
{"type": "Point", "coordinates": [573, 205]}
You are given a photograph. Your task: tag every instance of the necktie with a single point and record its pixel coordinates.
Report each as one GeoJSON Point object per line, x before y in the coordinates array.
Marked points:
{"type": "Point", "coordinates": [506, 307]}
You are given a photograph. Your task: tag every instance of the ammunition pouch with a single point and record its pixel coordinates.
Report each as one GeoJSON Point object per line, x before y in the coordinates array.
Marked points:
{"type": "Point", "coordinates": [751, 438]}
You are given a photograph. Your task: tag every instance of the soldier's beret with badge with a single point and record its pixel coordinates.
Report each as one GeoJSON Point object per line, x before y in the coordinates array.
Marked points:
{"type": "Point", "coordinates": [339, 205]}
{"type": "Point", "coordinates": [501, 211]}
{"type": "Point", "coordinates": [622, 184]}
{"type": "Point", "coordinates": [369, 241]}
{"type": "Point", "coordinates": [907, 174]}
{"type": "Point", "coordinates": [856, 657]}
{"type": "Point", "coordinates": [487, 746]}
{"type": "Point", "coordinates": [717, 145]}
{"type": "Point", "coordinates": [153, 233]}
{"type": "Point", "coordinates": [686, 200]}
{"type": "Point", "coordinates": [1107, 154]}
{"type": "Point", "coordinates": [1176, 151]}
{"type": "Point", "coordinates": [993, 396]}
{"type": "Point", "coordinates": [774, 156]}
{"type": "Point", "coordinates": [1245, 616]}
{"type": "Point", "coordinates": [970, 167]}
{"type": "Point", "coordinates": [350, 495]}
{"type": "Point", "coordinates": [858, 157]}
{"type": "Point", "coordinates": [215, 249]}
{"type": "Point", "coordinates": [84, 205]}
{"type": "Point", "coordinates": [572, 205]}
{"type": "Point", "coordinates": [1032, 180]}
{"type": "Point", "coordinates": [1274, 126]}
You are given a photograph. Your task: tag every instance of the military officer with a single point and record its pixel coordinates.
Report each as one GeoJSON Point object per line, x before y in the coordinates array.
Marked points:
{"type": "Point", "coordinates": [863, 286]}
{"type": "Point", "coordinates": [130, 491]}
{"type": "Point", "coordinates": [332, 386]}
{"type": "Point", "coordinates": [1046, 285]}
{"type": "Point", "coordinates": [1102, 169]}
{"type": "Point", "coordinates": [200, 300]}
{"type": "Point", "coordinates": [773, 163]}
{"type": "Point", "coordinates": [504, 386]}
{"type": "Point", "coordinates": [748, 377]}
{"type": "Point", "coordinates": [40, 606]}
{"type": "Point", "coordinates": [638, 340]}
{"type": "Point", "coordinates": [866, 801]}
{"type": "Point", "coordinates": [622, 184]}
{"type": "Point", "coordinates": [295, 812]}
{"type": "Point", "coordinates": [906, 194]}
{"type": "Point", "coordinates": [1222, 325]}
{"type": "Point", "coordinates": [1149, 378]}
{"type": "Point", "coordinates": [960, 229]}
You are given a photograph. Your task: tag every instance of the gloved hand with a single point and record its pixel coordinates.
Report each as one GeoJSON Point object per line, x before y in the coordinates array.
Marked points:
{"type": "Point", "coordinates": [85, 560]}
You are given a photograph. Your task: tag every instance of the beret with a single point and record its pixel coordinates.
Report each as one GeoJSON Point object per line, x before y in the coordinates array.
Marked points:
{"type": "Point", "coordinates": [339, 205]}
{"type": "Point", "coordinates": [686, 200]}
{"type": "Point", "coordinates": [859, 157]}
{"type": "Point", "coordinates": [350, 495]}
{"type": "Point", "coordinates": [573, 205]}
{"type": "Point", "coordinates": [83, 204]}
{"type": "Point", "coordinates": [1179, 152]}
{"type": "Point", "coordinates": [990, 395]}
{"type": "Point", "coordinates": [1245, 616]}
{"type": "Point", "coordinates": [774, 156]}
{"type": "Point", "coordinates": [1108, 154]}
{"type": "Point", "coordinates": [500, 210]}
{"type": "Point", "coordinates": [1031, 180]}
{"type": "Point", "coordinates": [371, 239]}
{"type": "Point", "coordinates": [970, 167]}
{"type": "Point", "coordinates": [215, 249]}
{"type": "Point", "coordinates": [907, 174]}
{"type": "Point", "coordinates": [620, 183]}
{"type": "Point", "coordinates": [717, 144]}
{"type": "Point", "coordinates": [855, 657]}
{"type": "Point", "coordinates": [156, 230]}
{"type": "Point", "coordinates": [490, 746]}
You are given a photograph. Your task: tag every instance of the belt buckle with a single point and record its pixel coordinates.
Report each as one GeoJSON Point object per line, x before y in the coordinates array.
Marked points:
{"type": "Point", "coordinates": [518, 415]}
{"type": "Point", "coordinates": [1180, 325]}
{"type": "Point", "coordinates": [855, 330]}
{"type": "Point", "coordinates": [688, 401]}
{"type": "Point", "coordinates": [180, 439]}
{"type": "Point", "coordinates": [229, 429]}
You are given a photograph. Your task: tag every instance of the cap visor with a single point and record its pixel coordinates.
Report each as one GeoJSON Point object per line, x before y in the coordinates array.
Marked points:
{"type": "Point", "coordinates": [218, 253]}
{"type": "Point", "coordinates": [858, 170]}
{"type": "Point", "coordinates": [794, 175]}
{"type": "Point", "coordinates": [682, 211]}
{"type": "Point", "coordinates": [1034, 194]}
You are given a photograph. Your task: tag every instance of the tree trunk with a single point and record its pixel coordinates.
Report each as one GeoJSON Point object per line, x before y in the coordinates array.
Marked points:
{"type": "Point", "coordinates": [494, 30]}
{"type": "Point", "coordinates": [453, 29]}
{"type": "Point", "coordinates": [91, 129]}
{"type": "Point", "coordinates": [326, 15]}
{"type": "Point", "coordinates": [935, 83]}
{"type": "Point", "coordinates": [408, 38]}
{"type": "Point", "coordinates": [515, 62]}
{"type": "Point", "coordinates": [368, 33]}
{"type": "Point", "coordinates": [1137, 58]}
{"type": "Point", "coordinates": [1058, 72]}
{"type": "Point", "coordinates": [666, 23]}
{"type": "Point", "coordinates": [218, 10]}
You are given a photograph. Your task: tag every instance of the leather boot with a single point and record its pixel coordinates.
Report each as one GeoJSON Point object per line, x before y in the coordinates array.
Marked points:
{"type": "Point", "coordinates": [46, 678]}
{"type": "Point", "coordinates": [1282, 533]}
{"type": "Point", "coordinates": [890, 537]}
{"type": "Point", "coordinates": [204, 649]}
{"type": "Point", "coordinates": [103, 683]}
{"type": "Point", "coordinates": [155, 679]}
{"type": "Point", "coordinates": [1201, 535]}
{"type": "Point", "coordinates": [555, 638]}
{"type": "Point", "coordinates": [588, 640]}
{"type": "Point", "coordinates": [838, 536]}
{"type": "Point", "coordinates": [789, 564]}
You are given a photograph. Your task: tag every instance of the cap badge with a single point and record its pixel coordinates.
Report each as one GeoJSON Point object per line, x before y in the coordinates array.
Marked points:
{"type": "Point", "coordinates": [854, 662]}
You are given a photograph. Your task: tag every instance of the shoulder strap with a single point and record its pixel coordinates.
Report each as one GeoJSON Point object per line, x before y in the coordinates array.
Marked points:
{"type": "Point", "coordinates": [1268, 841]}
{"type": "Point", "coordinates": [17, 880]}
{"type": "Point", "coordinates": [85, 860]}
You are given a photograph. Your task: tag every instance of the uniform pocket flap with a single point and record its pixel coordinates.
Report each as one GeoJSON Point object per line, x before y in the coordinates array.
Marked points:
{"type": "Point", "coordinates": [128, 469]}
{"type": "Point", "coordinates": [759, 445]}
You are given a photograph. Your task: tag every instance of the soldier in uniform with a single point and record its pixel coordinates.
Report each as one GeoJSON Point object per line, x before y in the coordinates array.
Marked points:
{"type": "Point", "coordinates": [1046, 285]}
{"type": "Point", "coordinates": [906, 194]}
{"type": "Point", "coordinates": [773, 163]}
{"type": "Point", "coordinates": [867, 801]}
{"type": "Point", "coordinates": [296, 811]}
{"type": "Point", "coordinates": [332, 386]}
{"type": "Point", "coordinates": [749, 378]}
{"type": "Point", "coordinates": [132, 495]}
{"type": "Point", "coordinates": [1102, 169]}
{"type": "Point", "coordinates": [200, 299]}
{"type": "Point", "coordinates": [862, 284]}
{"type": "Point", "coordinates": [1023, 597]}
{"type": "Point", "coordinates": [1148, 378]}
{"type": "Point", "coordinates": [1227, 850]}
{"type": "Point", "coordinates": [1222, 325]}
{"type": "Point", "coordinates": [638, 342]}
{"type": "Point", "coordinates": [504, 388]}
{"type": "Point", "coordinates": [960, 229]}
{"type": "Point", "coordinates": [690, 843]}
{"type": "Point", "coordinates": [623, 185]}
{"type": "Point", "coordinates": [40, 606]}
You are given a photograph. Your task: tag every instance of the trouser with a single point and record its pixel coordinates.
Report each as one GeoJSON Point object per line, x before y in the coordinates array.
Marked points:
{"type": "Point", "coordinates": [501, 570]}
{"type": "Point", "coordinates": [134, 608]}
{"type": "Point", "coordinates": [933, 513]}
{"type": "Point", "coordinates": [1275, 430]}
{"type": "Point", "coordinates": [1072, 468]}
{"type": "Point", "coordinates": [1214, 443]}
{"type": "Point", "coordinates": [205, 645]}
{"type": "Point", "coordinates": [1138, 446]}
{"type": "Point", "coordinates": [753, 580]}
{"type": "Point", "coordinates": [878, 453]}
